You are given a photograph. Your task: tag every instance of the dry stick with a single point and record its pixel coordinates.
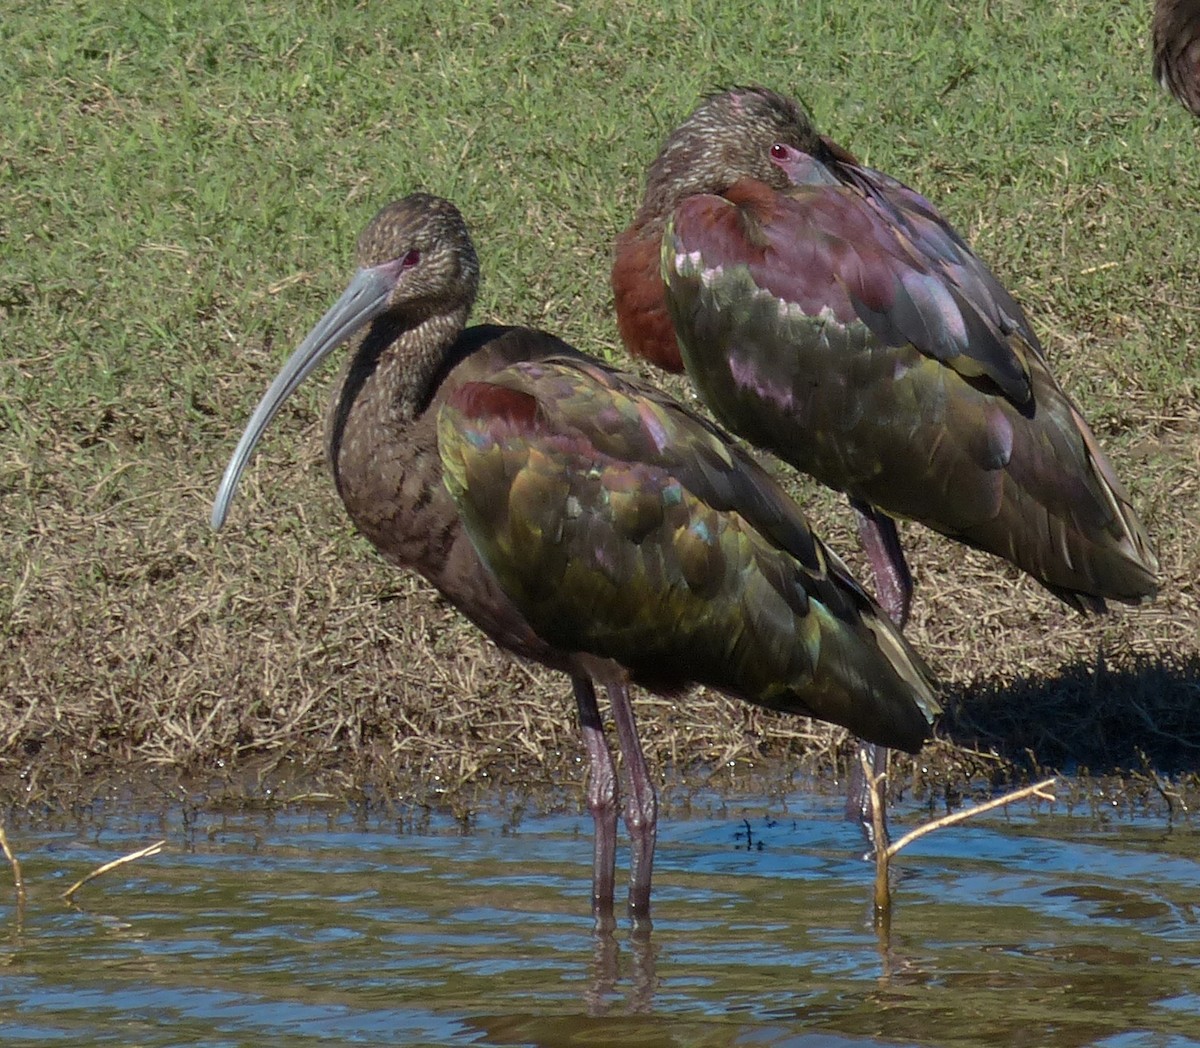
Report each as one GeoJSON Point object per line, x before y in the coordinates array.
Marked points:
{"type": "Point", "coordinates": [1036, 790]}
{"type": "Point", "coordinates": [18, 880]}
{"type": "Point", "coordinates": [142, 853]}
{"type": "Point", "coordinates": [883, 855]}
{"type": "Point", "coordinates": [883, 894]}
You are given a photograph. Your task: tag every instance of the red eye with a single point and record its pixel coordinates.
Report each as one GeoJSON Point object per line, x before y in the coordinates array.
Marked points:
{"type": "Point", "coordinates": [779, 151]}
{"type": "Point", "coordinates": [411, 259]}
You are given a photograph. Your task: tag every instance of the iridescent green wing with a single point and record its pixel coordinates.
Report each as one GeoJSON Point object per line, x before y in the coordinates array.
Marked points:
{"type": "Point", "coordinates": [812, 328]}
{"type": "Point", "coordinates": [623, 526]}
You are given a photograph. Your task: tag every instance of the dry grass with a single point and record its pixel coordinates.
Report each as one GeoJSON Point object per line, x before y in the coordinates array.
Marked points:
{"type": "Point", "coordinates": [208, 658]}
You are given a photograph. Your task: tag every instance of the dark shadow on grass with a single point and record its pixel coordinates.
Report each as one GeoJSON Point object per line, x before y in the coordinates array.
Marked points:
{"type": "Point", "coordinates": [1087, 718]}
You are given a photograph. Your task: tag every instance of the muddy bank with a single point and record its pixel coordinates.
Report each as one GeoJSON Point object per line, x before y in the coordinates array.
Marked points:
{"type": "Point", "coordinates": [139, 643]}
{"type": "Point", "coordinates": [1126, 739]}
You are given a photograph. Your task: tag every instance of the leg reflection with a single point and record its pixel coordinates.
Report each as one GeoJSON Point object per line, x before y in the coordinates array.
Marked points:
{"type": "Point", "coordinates": [606, 969]}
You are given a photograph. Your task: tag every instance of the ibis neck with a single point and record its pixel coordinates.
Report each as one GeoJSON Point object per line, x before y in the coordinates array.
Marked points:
{"type": "Point", "coordinates": [388, 381]}
{"type": "Point", "coordinates": [686, 166]}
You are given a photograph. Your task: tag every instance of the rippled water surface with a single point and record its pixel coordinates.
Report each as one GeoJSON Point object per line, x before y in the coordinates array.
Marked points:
{"type": "Point", "coordinates": [319, 928]}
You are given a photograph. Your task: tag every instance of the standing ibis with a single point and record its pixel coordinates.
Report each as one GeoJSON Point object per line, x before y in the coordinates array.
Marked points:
{"type": "Point", "coordinates": [831, 314]}
{"type": "Point", "coordinates": [1176, 44]}
{"type": "Point", "coordinates": [582, 520]}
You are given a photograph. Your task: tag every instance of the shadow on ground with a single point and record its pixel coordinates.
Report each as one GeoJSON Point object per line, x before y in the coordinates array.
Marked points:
{"type": "Point", "coordinates": [1086, 718]}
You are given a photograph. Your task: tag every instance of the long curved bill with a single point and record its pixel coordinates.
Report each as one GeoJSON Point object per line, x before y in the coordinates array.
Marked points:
{"type": "Point", "coordinates": [361, 302]}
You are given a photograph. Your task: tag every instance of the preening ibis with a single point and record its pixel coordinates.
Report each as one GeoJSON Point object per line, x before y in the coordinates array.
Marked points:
{"type": "Point", "coordinates": [582, 519]}
{"type": "Point", "coordinates": [831, 314]}
{"type": "Point", "coordinates": [1176, 44]}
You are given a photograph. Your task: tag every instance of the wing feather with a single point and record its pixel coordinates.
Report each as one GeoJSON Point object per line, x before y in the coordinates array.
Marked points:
{"type": "Point", "coordinates": [624, 525]}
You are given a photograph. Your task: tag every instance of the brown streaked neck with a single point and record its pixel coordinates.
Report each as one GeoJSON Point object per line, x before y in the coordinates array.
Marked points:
{"type": "Point", "coordinates": [390, 378]}
{"type": "Point", "coordinates": [666, 185]}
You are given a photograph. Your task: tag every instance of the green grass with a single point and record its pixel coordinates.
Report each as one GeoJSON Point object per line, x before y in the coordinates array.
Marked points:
{"type": "Point", "coordinates": [182, 187]}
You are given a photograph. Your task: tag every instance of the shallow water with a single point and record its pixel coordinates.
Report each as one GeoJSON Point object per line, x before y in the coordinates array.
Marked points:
{"type": "Point", "coordinates": [319, 928]}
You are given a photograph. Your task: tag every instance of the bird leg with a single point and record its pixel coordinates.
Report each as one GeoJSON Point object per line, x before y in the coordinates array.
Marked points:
{"type": "Point", "coordinates": [894, 590]}
{"type": "Point", "coordinates": [881, 543]}
{"type": "Point", "coordinates": [601, 799]}
{"type": "Point", "coordinates": [641, 805]}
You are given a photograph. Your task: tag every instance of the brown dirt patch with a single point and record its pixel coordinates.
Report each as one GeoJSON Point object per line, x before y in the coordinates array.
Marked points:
{"type": "Point", "coordinates": [283, 651]}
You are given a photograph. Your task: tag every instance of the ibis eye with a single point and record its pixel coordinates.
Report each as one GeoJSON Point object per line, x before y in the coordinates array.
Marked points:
{"type": "Point", "coordinates": [779, 151]}
{"type": "Point", "coordinates": [411, 259]}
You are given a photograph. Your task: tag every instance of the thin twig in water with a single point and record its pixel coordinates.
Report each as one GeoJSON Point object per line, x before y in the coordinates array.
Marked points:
{"type": "Point", "coordinates": [15, 863]}
{"type": "Point", "coordinates": [1036, 790]}
{"type": "Point", "coordinates": [883, 891]}
{"type": "Point", "coordinates": [142, 853]}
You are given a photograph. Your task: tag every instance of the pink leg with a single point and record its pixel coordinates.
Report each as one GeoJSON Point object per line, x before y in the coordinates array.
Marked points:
{"type": "Point", "coordinates": [641, 807]}
{"type": "Point", "coordinates": [881, 543]}
{"type": "Point", "coordinates": [601, 799]}
{"type": "Point", "coordinates": [893, 590]}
